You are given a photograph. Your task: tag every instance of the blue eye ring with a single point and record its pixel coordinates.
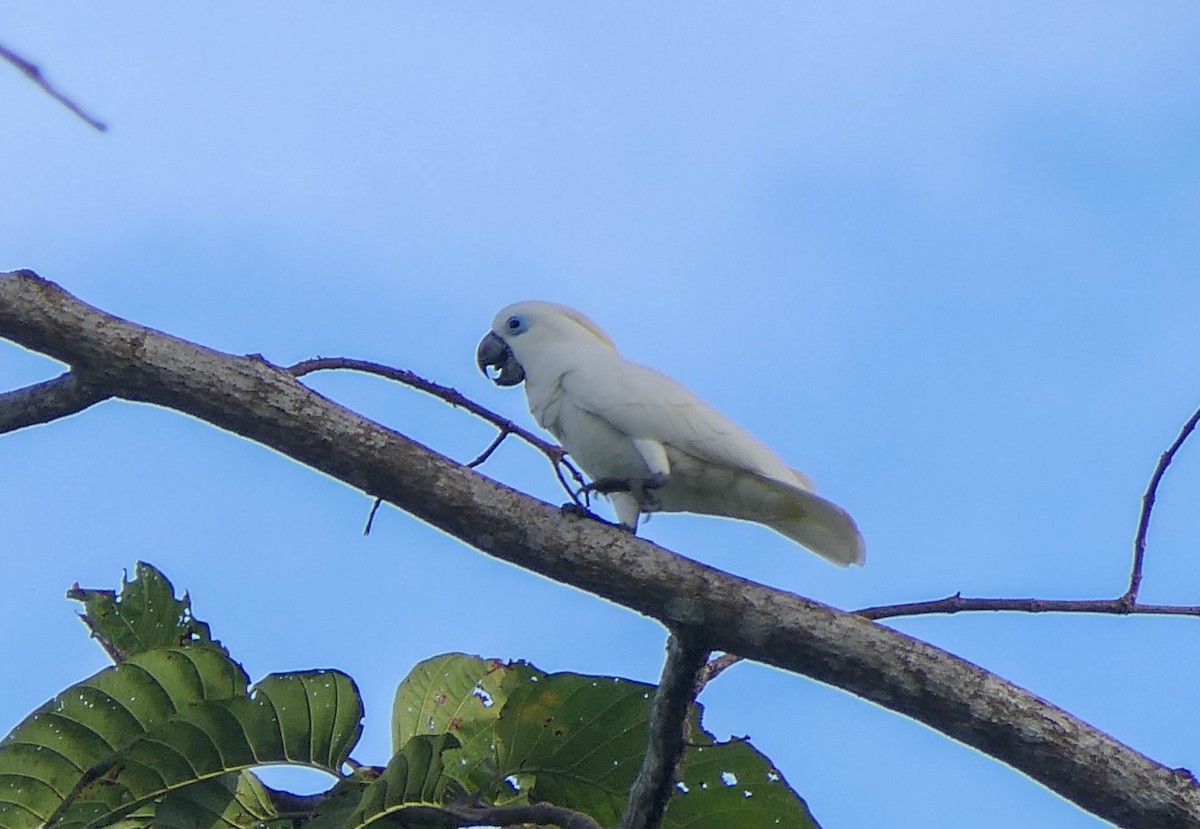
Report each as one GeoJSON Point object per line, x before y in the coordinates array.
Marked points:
{"type": "Point", "coordinates": [515, 324]}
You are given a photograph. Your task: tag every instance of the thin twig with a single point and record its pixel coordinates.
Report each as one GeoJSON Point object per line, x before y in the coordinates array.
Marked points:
{"type": "Point", "coordinates": [555, 454]}
{"type": "Point", "coordinates": [1139, 541]}
{"type": "Point", "coordinates": [667, 733]}
{"type": "Point", "coordinates": [42, 402]}
{"type": "Point", "coordinates": [34, 74]}
{"type": "Point", "coordinates": [1124, 605]}
{"type": "Point", "coordinates": [960, 604]}
{"type": "Point", "coordinates": [492, 447]}
{"type": "Point", "coordinates": [371, 516]}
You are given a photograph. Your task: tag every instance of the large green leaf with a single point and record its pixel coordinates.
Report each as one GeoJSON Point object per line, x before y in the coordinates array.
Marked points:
{"type": "Point", "coordinates": [460, 695]}
{"type": "Point", "coordinates": [47, 755]}
{"type": "Point", "coordinates": [311, 718]}
{"type": "Point", "coordinates": [734, 785]}
{"type": "Point", "coordinates": [145, 615]}
{"type": "Point", "coordinates": [580, 738]}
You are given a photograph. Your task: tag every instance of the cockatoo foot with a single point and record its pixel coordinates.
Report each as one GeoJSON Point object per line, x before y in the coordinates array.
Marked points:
{"type": "Point", "coordinates": [571, 508]}
{"type": "Point", "coordinates": [656, 480]}
{"type": "Point", "coordinates": [607, 486]}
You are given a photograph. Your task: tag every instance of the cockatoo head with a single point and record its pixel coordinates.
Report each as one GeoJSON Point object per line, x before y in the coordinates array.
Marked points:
{"type": "Point", "coordinates": [527, 334]}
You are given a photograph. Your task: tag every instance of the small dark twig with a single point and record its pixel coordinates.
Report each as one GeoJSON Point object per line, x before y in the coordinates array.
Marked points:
{"type": "Point", "coordinates": [555, 454]}
{"type": "Point", "coordinates": [492, 447]}
{"type": "Point", "coordinates": [651, 791]}
{"type": "Point", "coordinates": [42, 402]}
{"type": "Point", "coordinates": [960, 604]}
{"type": "Point", "coordinates": [1139, 541]}
{"type": "Point", "coordinates": [34, 74]}
{"type": "Point", "coordinates": [371, 516]}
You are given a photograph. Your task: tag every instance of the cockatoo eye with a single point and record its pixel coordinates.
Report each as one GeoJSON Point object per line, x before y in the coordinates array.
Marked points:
{"type": "Point", "coordinates": [515, 324]}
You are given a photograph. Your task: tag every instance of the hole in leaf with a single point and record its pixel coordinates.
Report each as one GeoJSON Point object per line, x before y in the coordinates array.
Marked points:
{"type": "Point", "coordinates": [483, 696]}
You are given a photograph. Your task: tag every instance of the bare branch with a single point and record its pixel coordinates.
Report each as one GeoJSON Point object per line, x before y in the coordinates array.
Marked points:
{"type": "Point", "coordinates": [1139, 540]}
{"type": "Point", "coordinates": [554, 453]}
{"type": "Point", "coordinates": [34, 74]}
{"type": "Point", "coordinates": [262, 403]}
{"type": "Point", "coordinates": [667, 733]}
{"type": "Point", "coordinates": [961, 604]}
{"type": "Point", "coordinates": [492, 447]}
{"type": "Point", "coordinates": [65, 395]}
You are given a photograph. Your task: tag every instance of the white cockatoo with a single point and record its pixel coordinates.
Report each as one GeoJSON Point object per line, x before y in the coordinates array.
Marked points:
{"type": "Point", "coordinates": [645, 440]}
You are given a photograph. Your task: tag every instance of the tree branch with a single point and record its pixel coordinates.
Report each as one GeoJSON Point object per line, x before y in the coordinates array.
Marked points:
{"type": "Point", "coordinates": [263, 403]}
{"type": "Point", "coordinates": [1139, 539]}
{"type": "Point", "coordinates": [667, 728]}
{"type": "Point", "coordinates": [714, 668]}
{"type": "Point", "coordinates": [961, 604]}
{"type": "Point", "coordinates": [554, 453]}
{"type": "Point", "coordinates": [42, 402]}
{"type": "Point", "coordinates": [1125, 604]}
{"type": "Point", "coordinates": [34, 74]}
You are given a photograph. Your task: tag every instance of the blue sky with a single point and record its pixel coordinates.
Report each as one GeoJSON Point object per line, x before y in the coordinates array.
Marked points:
{"type": "Point", "coordinates": [942, 257]}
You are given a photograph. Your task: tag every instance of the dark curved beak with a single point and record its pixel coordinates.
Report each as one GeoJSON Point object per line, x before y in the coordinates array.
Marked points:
{"type": "Point", "coordinates": [494, 353]}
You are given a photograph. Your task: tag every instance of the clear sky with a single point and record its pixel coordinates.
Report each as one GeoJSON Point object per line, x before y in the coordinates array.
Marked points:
{"type": "Point", "coordinates": [940, 256]}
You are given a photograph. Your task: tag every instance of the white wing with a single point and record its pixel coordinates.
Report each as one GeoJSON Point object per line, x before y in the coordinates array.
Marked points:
{"type": "Point", "coordinates": [727, 470]}
{"type": "Point", "coordinates": [643, 403]}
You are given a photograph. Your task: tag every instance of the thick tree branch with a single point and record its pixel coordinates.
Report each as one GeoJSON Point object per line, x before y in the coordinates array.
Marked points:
{"type": "Point", "coordinates": [251, 398]}
{"type": "Point", "coordinates": [667, 728]}
{"type": "Point", "coordinates": [34, 74]}
{"type": "Point", "coordinates": [42, 402]}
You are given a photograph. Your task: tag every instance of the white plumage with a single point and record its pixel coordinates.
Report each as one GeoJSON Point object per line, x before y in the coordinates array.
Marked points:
{"type": "Point", "coordinates": [648, 441]}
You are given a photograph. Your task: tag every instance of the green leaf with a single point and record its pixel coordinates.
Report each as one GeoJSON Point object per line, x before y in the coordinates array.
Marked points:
{"type": "Point", "coordinates": [146, 615]}
{"type": "Point", "coordinates": [460, 695]}
{"type": "Point", "coordinates": [415, 776]}
{"type": "Point", "coordinates": [580, 737]}
{"type": "Point", "coordinates": [581, 740]}
{"type": "Point", "coordinates": [47, 755]}
{"type": "Point", "coordinates": [231, 801]}
{"type": "Point", "coordinates": [334, 811]}
{"type": "Point", "coordinates": [734, 784]}
{"type": "Point", "coordinates": [311, 718]}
